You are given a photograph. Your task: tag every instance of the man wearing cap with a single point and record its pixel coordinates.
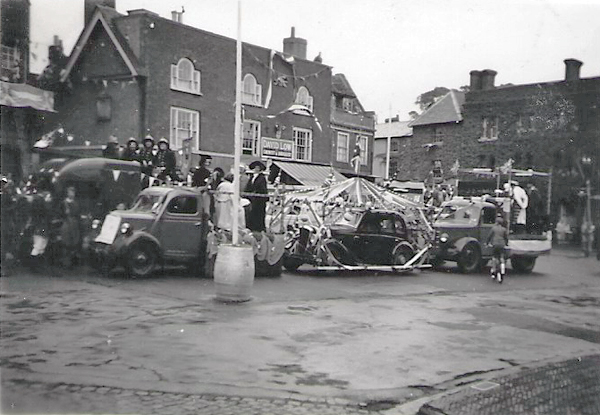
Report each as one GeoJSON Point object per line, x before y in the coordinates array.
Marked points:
{"type": "Point", "coordinates": [112, 149]}
{"type": "Point", "coordinates": [255, 189]}
{"type": "Point", "coordinates": [165, 160]}
{"type": "Point", "coordinates": [202, 173]}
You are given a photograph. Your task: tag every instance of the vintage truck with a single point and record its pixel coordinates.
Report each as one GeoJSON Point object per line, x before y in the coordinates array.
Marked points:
{"type": "Point", "coordinates": [462, 228]}
{"type": "Point", "coordinates": [170, 226]}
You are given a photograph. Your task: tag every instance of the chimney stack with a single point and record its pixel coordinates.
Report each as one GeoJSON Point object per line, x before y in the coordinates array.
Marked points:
{"type": "Point", "coordinates": [294, 46]}
{"type": "Point", "coordinates": [475, 84]}
{"type": "Point", "coordinates": [488, 78]}
{"type": "Point", "coordinates": [90, 6]}
{"type": "Point", "coordinates": [572, 67]}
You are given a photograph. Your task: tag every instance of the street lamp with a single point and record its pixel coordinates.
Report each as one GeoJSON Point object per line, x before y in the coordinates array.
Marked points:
{"type": "Point", "coordinates": [587, 226]}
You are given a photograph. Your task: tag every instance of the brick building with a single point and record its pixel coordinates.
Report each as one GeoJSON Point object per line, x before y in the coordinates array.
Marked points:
{"type": "Point", "coordinates": [546, 126]}
{"type": "Point", "coordinates": [138, 74]}
{"type": "Point", "coordinates": [351, 127]}
{"type": "Point", "coordinates": [437, 140]}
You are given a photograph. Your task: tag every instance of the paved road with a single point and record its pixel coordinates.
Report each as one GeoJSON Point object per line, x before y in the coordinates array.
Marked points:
{"type": "Point", "coordinates": [346, 343]}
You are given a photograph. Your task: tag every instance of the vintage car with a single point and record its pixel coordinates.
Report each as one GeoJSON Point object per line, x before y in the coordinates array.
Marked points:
{"type": "Point", "coordinates": [360, 239]}
{"type": "Point", "coordinates": [164, 225]}
{"type": "Point", "coordinates": [462, 228]}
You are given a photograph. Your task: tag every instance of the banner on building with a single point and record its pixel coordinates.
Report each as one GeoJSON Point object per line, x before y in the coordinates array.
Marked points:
{"type": "Point", "coordinates": [22, 95]}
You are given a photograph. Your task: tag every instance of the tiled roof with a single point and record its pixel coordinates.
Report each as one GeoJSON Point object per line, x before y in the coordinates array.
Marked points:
{"type": "Point", "coordinates": [341, 86]}
{"type": "Point", "coordinates": [446, 109]}
{"type": "Point", "coordinates": [393, 129]}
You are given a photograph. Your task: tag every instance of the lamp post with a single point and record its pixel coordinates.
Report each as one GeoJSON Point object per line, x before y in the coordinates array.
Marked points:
{"type": "Point", "coordinates": [587, 226]}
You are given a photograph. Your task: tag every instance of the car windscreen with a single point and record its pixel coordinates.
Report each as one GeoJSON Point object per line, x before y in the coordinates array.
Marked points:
{"type": "Point", "coordinates": [350, 219]}
{"type": "Point", "coordinates": [461, 214]}
{"type": "Point", "coordinates": [147, 202]}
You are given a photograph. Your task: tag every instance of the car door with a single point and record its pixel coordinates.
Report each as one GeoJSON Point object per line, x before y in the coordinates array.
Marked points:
{"type": "Point", "coordinates": [179, 234]}
{"type": "Point", "coordinates": [376, 238]}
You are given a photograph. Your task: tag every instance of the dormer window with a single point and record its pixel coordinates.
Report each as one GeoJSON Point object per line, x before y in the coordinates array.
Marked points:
{"type": "Point", "coordinates": [184, 77]}
{"type": "Point", "coordinates": [303, 97]}
{"type": "Point", "coordinates": [252, 91]}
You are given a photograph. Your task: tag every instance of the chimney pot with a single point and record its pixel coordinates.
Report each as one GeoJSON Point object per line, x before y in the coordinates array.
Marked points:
{"type": "Point", "coordinates": [572, 68]}
{"type": "Point", "coordinates": [488, 78]}
{"type": "Point", "coordinates": [475, 84]}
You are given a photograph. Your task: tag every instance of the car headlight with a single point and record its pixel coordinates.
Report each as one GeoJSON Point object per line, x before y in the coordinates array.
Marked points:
{"type": "Point", "coordinates": [126, 228]}
{"type": "Point", "coordinates": [96, 223]}
{"type": "Point", "coordinates": [444, 238]}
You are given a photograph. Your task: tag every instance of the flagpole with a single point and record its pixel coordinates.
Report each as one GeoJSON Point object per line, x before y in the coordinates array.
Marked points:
{"type": "Point", "coordinates": [237, 126]}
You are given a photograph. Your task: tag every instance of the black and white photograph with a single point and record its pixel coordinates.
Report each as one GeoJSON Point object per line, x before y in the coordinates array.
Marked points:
{"type": "Point", "coordinates": [253, 207]}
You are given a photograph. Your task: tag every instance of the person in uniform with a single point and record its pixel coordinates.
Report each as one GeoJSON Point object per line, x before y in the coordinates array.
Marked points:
{"type": "Point", "coordinates": [202, 173]}
{"type": "Point", "coordinates": [256, 191]}
{"type": "Point", "coordinates": [131, 152]}
{"type": "Point", "coordinates": [165, 161]}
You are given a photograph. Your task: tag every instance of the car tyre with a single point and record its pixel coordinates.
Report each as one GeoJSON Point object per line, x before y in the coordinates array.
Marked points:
{"type": "Point", "coordinates": [402, 254]}
{"type": "Point", "coordinates": [291, 264]}
{"type": "Point", "coordinates": [141, 261]}
{"type": "Point", "coordinates": [523, 264]}
{"type": "Point", "coordinates": [469, 259]}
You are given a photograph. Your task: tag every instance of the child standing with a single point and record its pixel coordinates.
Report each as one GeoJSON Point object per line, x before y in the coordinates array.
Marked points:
{"type": "Point", "coordinates": [498, 240]}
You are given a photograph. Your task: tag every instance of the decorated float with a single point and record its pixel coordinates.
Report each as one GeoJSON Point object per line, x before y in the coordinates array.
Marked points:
{"type": "Point", "coordinates": [351, 225]}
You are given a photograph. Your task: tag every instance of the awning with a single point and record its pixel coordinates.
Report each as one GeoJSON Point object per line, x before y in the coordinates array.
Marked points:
{"type": "Point", "coordinates": [310, 175]}
{"type": "Point", "coordinates": [23, 95]}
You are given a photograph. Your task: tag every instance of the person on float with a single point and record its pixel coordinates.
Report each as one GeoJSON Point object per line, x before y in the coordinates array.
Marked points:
{"type": "Point", "coordinates": [112, 149]}
{"type": "Point", "coordinates": [256, 192]}
{"type": "Point", "coordinates": [202, 173]}
{"type": "Point", "coordinates": [165, 161]}
{"type": "Point", "coordinates": [535, 210]}
{"type": "Point", "coordinates": [521, 200]}
{"type": "Point", "coordinates": [147, 159]}
{"type": "Point", "coordinates": [131, 152]}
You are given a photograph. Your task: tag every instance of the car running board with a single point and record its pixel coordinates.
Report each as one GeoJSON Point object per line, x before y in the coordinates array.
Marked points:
{"type": "Point", "coordinates": [393, 268]}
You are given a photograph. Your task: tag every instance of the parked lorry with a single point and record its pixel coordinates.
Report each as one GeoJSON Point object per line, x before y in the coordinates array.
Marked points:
{"type": "Point", "coordinates": [462, 228]}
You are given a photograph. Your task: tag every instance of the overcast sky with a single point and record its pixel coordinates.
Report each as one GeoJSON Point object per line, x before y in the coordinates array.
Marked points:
{"type": "Point", "coordinates": [390, 50]}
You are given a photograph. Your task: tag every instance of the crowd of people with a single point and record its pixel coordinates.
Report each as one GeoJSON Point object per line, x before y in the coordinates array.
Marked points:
{"type": "Point", "coordinates": [156, 158]}
{"type": "Point", "coordinates": [36, 227]}
{"type": "Point", "coordinates": [158, 161]}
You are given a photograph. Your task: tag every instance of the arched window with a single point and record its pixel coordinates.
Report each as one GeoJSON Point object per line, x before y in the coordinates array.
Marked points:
{"type": "Point", "coordinates": [184, 77]}
{"type": "Point", "coordinates": [252, 91]}
{"type": "Point", "coordinates": [303, 98]}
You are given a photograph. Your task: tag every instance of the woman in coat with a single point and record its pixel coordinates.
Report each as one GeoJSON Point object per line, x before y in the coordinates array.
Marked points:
{"type": "Point", "coordinates": [256, 192]}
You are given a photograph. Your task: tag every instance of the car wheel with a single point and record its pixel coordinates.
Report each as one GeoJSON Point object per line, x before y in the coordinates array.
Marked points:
{"type": "Point", "coordinates": [141, 259]}
{"type": "Point", "coordinates": [523, 264]}
{"type": "Point", "coordinates": [338, 254]}
{"type": "Point", "coordinates": [402, 254]}
{"type": "Point", "coordinates": [291, 264]}
{"type": "Point", "coordinates": [469, 259]}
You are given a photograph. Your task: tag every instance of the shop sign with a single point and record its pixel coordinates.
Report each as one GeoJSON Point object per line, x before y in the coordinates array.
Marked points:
{"type": "Point", "coordinates": [272, 147]}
